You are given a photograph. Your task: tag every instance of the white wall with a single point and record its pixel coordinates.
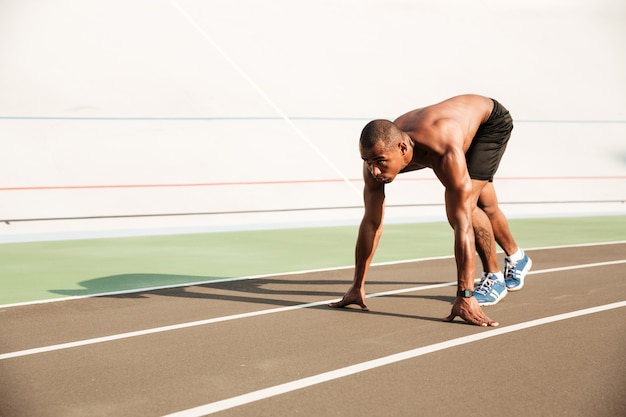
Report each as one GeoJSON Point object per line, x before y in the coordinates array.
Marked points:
{"type": "Point", "coordinates": [145, 107]}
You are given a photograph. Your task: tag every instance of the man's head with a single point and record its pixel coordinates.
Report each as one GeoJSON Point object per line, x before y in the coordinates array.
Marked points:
{"type": "Point", "coordinates": [382, 148]}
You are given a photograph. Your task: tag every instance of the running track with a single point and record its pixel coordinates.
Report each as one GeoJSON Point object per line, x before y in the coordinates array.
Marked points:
{"type": "Point", "coordinates": [270, 347]}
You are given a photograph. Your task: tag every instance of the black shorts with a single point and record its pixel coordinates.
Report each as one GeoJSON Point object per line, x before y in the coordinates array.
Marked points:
{"type": "Point", "coordinates": [489, 144]}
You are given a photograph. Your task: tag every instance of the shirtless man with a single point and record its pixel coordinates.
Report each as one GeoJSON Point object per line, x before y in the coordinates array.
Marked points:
{"type": "Point", "coordinates": [462, 140]}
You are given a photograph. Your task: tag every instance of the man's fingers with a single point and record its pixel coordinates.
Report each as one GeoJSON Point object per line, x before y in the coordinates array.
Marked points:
{"type": "Point", "coordinates": [343, 303]}
{"type": "Point", "coordinates": [451, 317]}
{"type": "Point", "coordinates": [471, 317]}
{"type": "Point", "coordinates": [484, 322]}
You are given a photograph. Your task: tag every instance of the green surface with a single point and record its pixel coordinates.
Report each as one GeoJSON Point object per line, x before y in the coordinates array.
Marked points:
{"type": "Point", "coordinates": [44, 270]}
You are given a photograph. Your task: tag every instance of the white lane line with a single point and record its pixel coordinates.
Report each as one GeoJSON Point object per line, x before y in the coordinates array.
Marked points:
{"type": "Point", "coordinates": [145, 332]}
{"type": "Point", "coordinates": [179, 326]}
{"type": "Point", "coordinates": [250, 397]}
{"type": "Point", "coordinates": [541, 271]}
{"type": "Point", "coordinates": [155, 330]}
{"type": "Point", "coordinates": [568, 268]}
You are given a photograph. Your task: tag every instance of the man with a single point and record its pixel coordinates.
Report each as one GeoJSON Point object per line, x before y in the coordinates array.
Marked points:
{"type": "Point", "coordinates": [462, 140]}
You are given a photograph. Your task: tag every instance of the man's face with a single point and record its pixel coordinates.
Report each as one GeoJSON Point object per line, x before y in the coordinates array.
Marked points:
{"type": "Point", "coordinates": [383, 164]}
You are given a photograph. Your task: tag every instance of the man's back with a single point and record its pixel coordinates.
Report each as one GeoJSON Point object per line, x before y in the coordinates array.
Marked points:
{"type": "Point", "coordinates": [456, 119]}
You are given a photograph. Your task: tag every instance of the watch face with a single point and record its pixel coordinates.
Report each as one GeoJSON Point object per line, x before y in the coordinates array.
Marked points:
{"type": "Point", "coordinates": [465, 293]}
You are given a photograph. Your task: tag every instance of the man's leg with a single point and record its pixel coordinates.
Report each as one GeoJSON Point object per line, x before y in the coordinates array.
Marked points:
{"type": "Point", "coordinates": [485, 240]}
{"type": "Point", "coordinates": [517, 263]}
{"type": "Point", "coordinates": [491, 288]}
{"type": "Point", "coordinates": [488, 202]}
{"type": "Point", "coordinates": [484, 232]}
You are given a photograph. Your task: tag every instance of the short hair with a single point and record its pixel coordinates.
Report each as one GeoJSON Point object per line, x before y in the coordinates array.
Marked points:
{"type": "Point", "coordinates": [377, 131]}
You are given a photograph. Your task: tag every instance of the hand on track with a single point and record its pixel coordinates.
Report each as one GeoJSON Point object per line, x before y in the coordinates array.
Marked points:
{"type": "Point", "coordinates": [352, 296]}
{"type": "Point", "coordinates": [469, 310]}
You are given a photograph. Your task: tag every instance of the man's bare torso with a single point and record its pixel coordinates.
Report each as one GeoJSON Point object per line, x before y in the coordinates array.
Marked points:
{"type": "Point", "coordinates": [433, 129]}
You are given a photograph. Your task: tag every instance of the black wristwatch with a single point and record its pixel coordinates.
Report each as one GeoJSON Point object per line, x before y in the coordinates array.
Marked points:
{"type": "Point", "coordinates": [465, 293]}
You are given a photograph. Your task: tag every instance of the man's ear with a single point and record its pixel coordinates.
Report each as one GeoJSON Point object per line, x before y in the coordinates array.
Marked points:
{"type": "Point", "coordinates": [403, 147]}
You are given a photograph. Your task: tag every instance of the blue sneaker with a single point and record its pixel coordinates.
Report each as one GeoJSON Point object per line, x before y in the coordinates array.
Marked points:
{"type": "Point", "coordinates": [490, 290]}
{"type": "Point", "coordinates": [514, 273]}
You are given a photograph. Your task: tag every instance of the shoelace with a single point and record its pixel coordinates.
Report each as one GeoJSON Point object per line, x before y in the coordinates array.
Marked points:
{"type": "Point", "coordinates": [510, 271]}
{"type": "Point", "coordinates": [485, 285]}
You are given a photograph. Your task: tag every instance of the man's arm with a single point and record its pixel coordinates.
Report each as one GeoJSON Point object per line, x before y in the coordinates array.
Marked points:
{"type": "Point", "coordinates": [452, 171]}
{"type": "Point", "coordinates": [370, 230]}
{"type": "Point", "coordinates": [460, 201]}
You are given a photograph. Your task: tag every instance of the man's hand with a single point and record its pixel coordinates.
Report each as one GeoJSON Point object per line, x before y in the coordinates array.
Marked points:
{"type": "Point", "coordinates": [352, 296]}
{"type": "Point", "coordinates": [469, 310]}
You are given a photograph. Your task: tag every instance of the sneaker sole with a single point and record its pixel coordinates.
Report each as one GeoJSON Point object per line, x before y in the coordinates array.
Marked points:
{"type": "Point", "coordinates": [493, 303]}
{"type": "Point", "coordinates": [524, 272]}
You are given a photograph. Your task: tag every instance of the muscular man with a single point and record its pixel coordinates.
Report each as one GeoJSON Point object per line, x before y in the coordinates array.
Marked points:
{"type": "Point", "coordinates": [462, 140]}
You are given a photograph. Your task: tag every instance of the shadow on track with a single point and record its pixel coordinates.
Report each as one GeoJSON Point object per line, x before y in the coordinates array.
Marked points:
{"type": "Point", "coordinates": [269, 291]}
